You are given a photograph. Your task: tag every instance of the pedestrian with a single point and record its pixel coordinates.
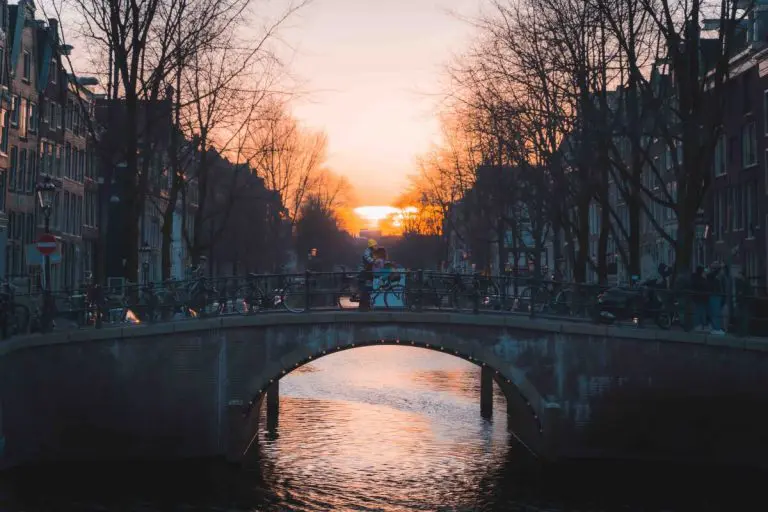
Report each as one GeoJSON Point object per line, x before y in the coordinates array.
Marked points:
{"type": "Point", "coordinates": [742, 303]}
{"type": "Point", "coordinates": [366, 276]}
{"type": "Point", "coordinates": [698, 297]}
{"type": "Point", "coordinates": [716, 289]}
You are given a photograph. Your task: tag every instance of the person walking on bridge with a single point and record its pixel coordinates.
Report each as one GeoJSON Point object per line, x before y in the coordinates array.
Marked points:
{"type": "Point", "coordinates": [366, 276]}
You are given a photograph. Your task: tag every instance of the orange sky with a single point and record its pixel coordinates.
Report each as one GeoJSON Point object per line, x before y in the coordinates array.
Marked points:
{"type": "Point", "coordinates": [372, 69]}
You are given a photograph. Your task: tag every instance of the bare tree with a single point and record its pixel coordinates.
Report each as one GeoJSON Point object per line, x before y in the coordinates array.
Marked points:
{"type": "Point", "coordinates": [287, 156]}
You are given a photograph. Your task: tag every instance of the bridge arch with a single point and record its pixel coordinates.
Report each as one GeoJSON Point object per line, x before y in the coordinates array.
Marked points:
{"type": "Point", "coordinates": [524, 403]}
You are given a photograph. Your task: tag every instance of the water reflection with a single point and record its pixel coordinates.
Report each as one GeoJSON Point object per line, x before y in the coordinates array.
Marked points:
{"type": "Point", "coordinates": [391, 428]}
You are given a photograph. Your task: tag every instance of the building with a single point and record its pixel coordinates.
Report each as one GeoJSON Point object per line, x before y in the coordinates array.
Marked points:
{"type": "Point", "coordinates": [5, 82]}
{"type": "Point", "coordinates": [20, 200]}
{"type": "Point", "coordinates": [155, 126]}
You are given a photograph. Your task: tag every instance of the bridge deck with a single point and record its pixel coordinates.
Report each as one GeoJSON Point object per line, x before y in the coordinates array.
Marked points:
{"type": "Point", "coordinates": [522, 321]}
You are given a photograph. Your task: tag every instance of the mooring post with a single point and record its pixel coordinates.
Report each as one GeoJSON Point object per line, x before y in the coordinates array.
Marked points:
{"type": "Point", "coordinates": [486, 392]}
{"type": "Point", "coordinates": [273, 405]}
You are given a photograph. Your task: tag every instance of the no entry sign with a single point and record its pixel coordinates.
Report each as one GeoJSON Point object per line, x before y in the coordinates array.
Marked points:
{"type": "Point", "coordinates": [47, 244]}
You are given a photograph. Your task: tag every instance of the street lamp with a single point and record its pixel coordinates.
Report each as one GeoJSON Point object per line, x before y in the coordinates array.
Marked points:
{"type": "Point", "coordinates": [46, 192]}
{"type": "Point", "coordinates": [145, 250]}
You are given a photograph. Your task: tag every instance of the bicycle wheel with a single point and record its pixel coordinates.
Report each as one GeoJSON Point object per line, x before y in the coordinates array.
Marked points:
{"type": "Point", "coordinates": [394, 296]}
{"type": "Point", "coordinates": [293, 297]}
{"type": "Point", "coordinates": [20, 322]}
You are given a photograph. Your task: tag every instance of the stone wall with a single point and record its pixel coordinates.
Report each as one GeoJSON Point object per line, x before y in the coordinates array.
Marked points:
{"type": "Point", "coordinates": [573, 390]}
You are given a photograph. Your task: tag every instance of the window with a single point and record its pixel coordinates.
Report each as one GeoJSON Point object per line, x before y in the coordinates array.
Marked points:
{"type": "Point", "coordinates": [21, 174]}
{"type": "Point", "coordinates": [26, 72]}
{"type": "Point", "coordinates": [12, 168]}
{"type": "Point", "coordinates": [721, 160]}
{"type": "Point", "coordinates": [52, 71]}
{"type": "Point", "coordinates": [765, 112]}
{"type": "Point", "coordinates": [749, 204]}
{"type": "Point", "coordinates": [748, 145]}
{"type": "Point", "coordinates": [31, 171]}
{"type": "Point", "coordinates": [65, 213]}
{"type": "Point", "coordinates": [15, 111]}
{"type": "Point", "coordinates": [32, 117]}
{"type": "Point", "coordinates": [23, 118]}
{"type": "Point", "coordinates": [58, 165]}
{"type": "Point", "coordinates": [5, 117]}
{"type": "Point", "coordinates": [720, 214]}
{"type": "Point", "coordinates": [68, 158]}
{"type": "Point", "coordinates": [59, 115]}
{"type": "Point", "coordinates": [70, 111]}
{"type": "Point", "coordinates": [735, 209]}
{"type": "Point", "coordinates": [52, 114]}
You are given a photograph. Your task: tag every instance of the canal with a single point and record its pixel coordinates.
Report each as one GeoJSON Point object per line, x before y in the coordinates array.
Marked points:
{"type": "Point", "coordinates": [382, 428]}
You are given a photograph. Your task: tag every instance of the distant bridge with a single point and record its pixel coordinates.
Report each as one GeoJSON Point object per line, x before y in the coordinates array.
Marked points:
{"type": "Point", "coordinates": [193, 388]}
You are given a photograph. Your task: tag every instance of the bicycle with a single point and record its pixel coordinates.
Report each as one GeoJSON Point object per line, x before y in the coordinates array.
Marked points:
{"type": "Point", "coordinates": [14, 317]}
{"type": "Point", "coordinates": [389, 289]}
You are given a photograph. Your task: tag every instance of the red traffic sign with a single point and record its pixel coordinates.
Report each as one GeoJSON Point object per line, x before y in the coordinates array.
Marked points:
{"type": "Point", "coordinates": [46, 244]}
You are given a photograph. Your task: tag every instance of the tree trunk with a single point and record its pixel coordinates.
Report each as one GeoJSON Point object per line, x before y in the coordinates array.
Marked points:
{"type": "Point", "coordinates": [602, 244]}
{"type": "Point", "coordinates": [580, 267]}
{"type": "Point", "coordinates": [130, 194]}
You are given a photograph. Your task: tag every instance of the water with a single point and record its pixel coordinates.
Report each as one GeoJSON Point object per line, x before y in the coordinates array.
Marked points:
{"type": "Point", "coordinates": [379, 429]}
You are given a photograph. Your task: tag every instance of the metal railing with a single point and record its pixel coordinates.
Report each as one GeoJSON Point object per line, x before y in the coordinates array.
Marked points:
{"type": "Point", "coordinates": [204, 297]}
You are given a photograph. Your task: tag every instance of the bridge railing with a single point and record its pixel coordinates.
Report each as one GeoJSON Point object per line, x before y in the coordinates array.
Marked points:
{"type": "Point", "coordinates": [739, 312]}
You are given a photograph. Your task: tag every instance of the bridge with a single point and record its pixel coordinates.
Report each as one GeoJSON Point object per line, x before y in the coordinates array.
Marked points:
{"type": "Point", "coordinates": [194, 388]}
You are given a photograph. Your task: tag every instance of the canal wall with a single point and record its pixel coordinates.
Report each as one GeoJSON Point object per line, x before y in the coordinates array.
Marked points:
{"type": "Point", "coordinates": [192, 389]}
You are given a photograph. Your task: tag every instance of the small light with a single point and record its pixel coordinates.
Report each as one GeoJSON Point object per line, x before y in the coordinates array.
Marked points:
{"type": "Point", "coordinates": [283, 372]}
{"type": "Point", "coordinates": [397, 341]}
{"type": "Point", "coordinates": [381, 341]}
{"type": "Point", "coordinates": [310, 358]}
{"type": "Point", "coordinates": [296, 365]}
{"type": "Point", "coordinates": [271, 381]}
{"type": "Point", "coordinates": [497, 372]}
{"type": "Point", "coordinates": [412, 343]}
{"type": "Point", "coordinates": [323, 351]}
{"type": "Point", "coordinates": [352, 345]}
{"type": "Point", "coordinates": [427, 345]}
{"type": "Point", "coordinates": [509, 381]}
{"type": "Point", "coordinates": [536, 416]}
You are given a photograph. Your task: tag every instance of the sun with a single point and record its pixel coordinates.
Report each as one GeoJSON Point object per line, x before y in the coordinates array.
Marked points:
{"type": "Point", "coordinates": [373, 215]}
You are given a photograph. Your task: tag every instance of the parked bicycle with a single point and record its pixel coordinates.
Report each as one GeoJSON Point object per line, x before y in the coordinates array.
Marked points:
{"type": "Point", "coordinates": [14, 317]}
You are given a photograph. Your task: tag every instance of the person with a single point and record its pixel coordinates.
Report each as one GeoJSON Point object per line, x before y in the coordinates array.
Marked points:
{"type": "Point", "coordinates": [366, 276]}
{"type": "Point", "coordinates": [716, 288]}
{"type": "Point", "coordinates": [698, 298]}
{"type": "Point", "coordinates": [742, 302]}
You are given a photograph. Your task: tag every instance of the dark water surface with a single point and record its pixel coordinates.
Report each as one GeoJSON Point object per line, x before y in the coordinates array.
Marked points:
{"type": "Point", "coordinates": [383, 429]}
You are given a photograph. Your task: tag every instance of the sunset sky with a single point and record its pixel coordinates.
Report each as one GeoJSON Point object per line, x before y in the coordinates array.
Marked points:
{"type": "Point", "coordinates": [373, 69]}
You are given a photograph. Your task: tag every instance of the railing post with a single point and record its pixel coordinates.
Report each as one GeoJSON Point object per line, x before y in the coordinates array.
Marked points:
{"type": "Point", "coordinates": [307, 293]}
{"type": "Point", "coordinates": [475, 294]}
{"type": "Point", "coordinates": [97, 298]}
{"type": "Point", "coordinates": [420, 290]}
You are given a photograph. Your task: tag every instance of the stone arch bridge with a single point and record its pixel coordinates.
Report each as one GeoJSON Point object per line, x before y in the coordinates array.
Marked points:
{"type": "Point", "coordinates": [193, 388]}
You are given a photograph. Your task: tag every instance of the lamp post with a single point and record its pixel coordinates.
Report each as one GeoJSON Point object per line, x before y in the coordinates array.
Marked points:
{"type": "Point", "coordinates": [145, 250]}
{"type": "Point", "coordinates": [46, 192]}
